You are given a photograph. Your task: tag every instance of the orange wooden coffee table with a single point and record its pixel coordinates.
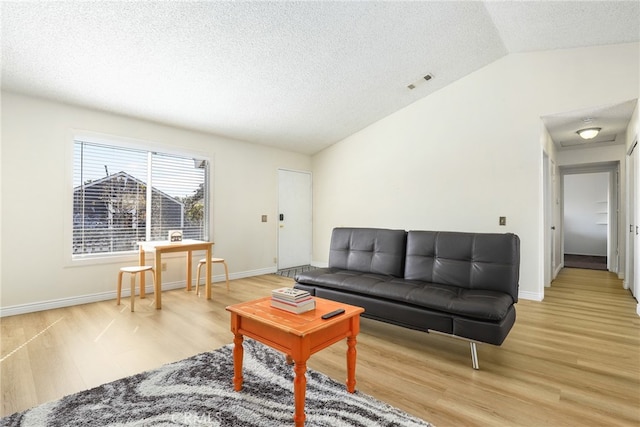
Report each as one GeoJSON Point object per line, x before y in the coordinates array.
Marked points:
{"type": "Point", "coordinates": [298, 336]}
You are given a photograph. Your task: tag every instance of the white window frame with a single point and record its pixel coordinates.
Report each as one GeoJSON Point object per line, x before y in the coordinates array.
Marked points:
{"type": "Point", "coordinates": [127, 143]}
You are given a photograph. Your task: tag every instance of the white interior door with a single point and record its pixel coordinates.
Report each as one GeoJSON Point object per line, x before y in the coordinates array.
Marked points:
{"type": "Point", "coordinates": [549, 228]}
{"type": "Point", "coordinates": [295, 218]}
{"type": "Point", "coordinates": [634, 206]}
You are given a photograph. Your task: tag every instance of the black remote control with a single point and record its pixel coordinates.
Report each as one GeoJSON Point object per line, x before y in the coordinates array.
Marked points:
{"type": "Point", "coordinates": [333, 313]}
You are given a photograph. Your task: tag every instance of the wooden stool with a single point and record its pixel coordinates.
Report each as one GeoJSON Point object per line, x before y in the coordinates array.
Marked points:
{"type": "Point", "coordinates": [202, 262]}
{"type": "Point", "coordinates": [133, 271]}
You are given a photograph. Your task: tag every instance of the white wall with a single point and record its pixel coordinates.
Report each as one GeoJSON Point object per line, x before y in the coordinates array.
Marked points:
{"type": "Point", "coordinates": [469, 153]}
{"type": "Point", "coordinates": [633, 130]}
{"type": "Point", "coordinates": [586, 210]}
{"type": "Point", "coordinates": [35, 137]}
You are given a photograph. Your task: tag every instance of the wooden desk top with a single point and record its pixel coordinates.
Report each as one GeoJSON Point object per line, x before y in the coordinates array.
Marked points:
{"type": "Point", "coordinates": [166, 245]}
{"type": "Point", "coordinates": [297, 324]}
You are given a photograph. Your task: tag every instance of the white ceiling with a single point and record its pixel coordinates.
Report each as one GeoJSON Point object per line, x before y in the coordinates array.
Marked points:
{"type": "Point", "coordinates": [296, 75]}
{"type": "Point", "coordinates": [612, 119]}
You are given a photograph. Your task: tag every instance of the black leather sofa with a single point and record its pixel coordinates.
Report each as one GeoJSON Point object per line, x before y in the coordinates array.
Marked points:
{"type": "Point", "coordinates": [461, 284]}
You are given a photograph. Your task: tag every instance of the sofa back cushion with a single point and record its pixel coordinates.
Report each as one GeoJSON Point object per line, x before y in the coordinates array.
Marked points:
{"type": "Point", "coordinates": [468, 260]}
{"type": "Point", "coordinates": [369, 250]}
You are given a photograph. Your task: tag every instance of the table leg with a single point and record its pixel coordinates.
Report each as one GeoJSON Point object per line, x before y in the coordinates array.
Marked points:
{"type": "Point", "coordinates": [141, 262]}
{"type": "Point", "coordinates": [351, 363]}
{"type": "Point", "coordinates": [299, 391]}
{"type": "Point", "coordinates": [238, 354]}
{"type": "Point", "coordinates": [208, 268]}
{"type": "Point", "coordinates": [189, 266]}
{"type": "Point", "coordinates": [157, 290]}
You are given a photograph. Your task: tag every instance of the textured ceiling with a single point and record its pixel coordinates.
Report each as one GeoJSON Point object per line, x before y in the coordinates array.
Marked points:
{"type": "Point", "coordinates": [297, 75]}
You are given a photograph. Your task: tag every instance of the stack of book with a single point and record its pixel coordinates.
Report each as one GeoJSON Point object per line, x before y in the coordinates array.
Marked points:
{"type": "Point", "coordinates": [292, 300]}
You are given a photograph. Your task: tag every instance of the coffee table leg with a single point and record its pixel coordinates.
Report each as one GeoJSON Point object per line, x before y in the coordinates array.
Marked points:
{"type": "Point", "coordinates": [238, 354]}
{"type": "Point", "coordinates": [351, 364]}
{"type": "Point", "coordinates": [299, 391]}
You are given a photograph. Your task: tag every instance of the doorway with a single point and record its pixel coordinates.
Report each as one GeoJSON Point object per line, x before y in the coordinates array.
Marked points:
{"type": "Point", "coordinates": [586, 220]}
{"type": "Point", "coordinates": [590, 213]}
{"type": "Point", "coordinates": [294, 218]}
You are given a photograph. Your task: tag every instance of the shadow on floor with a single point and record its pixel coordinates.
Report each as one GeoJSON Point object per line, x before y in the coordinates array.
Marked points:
{"type": "Point", "coordinates": [291, 272]}
{"type": "Point", "coordinates": [585, 261]}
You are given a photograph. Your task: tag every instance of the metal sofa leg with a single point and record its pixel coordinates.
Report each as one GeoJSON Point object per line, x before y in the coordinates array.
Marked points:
{"type": "Point", "coordinates": [474, 355]}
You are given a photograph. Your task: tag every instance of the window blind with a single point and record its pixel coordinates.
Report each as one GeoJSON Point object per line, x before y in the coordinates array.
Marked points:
{"type": "Point", "coordinates": [122, 196]}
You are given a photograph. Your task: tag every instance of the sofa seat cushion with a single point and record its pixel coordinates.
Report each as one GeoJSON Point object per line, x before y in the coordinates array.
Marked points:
{"type": "Point", "coordinates": [478, 304]}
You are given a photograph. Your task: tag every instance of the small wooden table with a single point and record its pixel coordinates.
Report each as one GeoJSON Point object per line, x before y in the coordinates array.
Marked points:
{"type": "Point", "coordinates": [159, 247]}
{"type": "Point", "coordinates": [298, 336]}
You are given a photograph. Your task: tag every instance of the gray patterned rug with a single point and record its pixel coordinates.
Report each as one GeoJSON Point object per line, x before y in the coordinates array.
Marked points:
{"type": "Point", "coordinates": [198, 391]}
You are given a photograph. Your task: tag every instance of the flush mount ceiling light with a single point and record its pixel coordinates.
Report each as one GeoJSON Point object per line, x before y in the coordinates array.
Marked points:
{"type": "Point", "coordinates": [588, 133]}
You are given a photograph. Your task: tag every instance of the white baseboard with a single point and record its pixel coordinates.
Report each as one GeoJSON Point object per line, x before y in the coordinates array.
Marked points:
{"type": "Point", "coordinates": [533, 296]}
{"type": "Point", "coordinates": [57, 303]}
{"type": "Point", "coordinates": [77, 300]}
{"type": "Point", "coordinates": [557, 270]}
{"type": "Point", "coordinates": [250, 273]}
{"type": "Point", "coordinates": [104, 296]}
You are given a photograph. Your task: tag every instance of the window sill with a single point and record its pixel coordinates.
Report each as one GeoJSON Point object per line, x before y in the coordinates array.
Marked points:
{"type": "Point", "coordinates": [130, 258]}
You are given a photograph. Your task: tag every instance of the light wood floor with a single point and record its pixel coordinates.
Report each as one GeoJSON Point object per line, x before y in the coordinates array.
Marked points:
{"type": "Point", "coordinates": [573, 359]}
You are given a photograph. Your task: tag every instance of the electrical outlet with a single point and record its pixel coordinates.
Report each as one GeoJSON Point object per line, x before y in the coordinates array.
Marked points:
{"type": "Point", "coordinates": [264, 218]}
{"type": "Point", "coordinates": [275, 260]}
{"type": "Point", "coordinates": [164, 266]}
{"type": "Point", "coordinates": [503, 220]}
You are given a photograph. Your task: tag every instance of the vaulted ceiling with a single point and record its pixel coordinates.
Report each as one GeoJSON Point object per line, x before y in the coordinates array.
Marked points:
{"type": "Point", "coordinates": [295, 75]}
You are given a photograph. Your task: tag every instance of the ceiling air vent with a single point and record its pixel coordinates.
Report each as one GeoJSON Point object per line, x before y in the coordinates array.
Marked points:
{"type": "Point", "coordinates": [422, 80]}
